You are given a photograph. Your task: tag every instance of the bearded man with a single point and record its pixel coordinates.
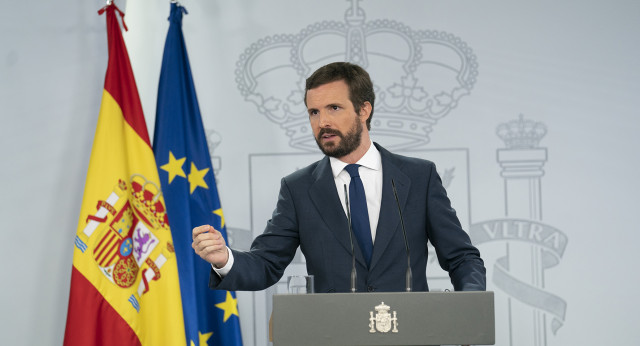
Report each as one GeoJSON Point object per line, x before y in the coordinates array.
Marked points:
{"type": "Point", "coordinates": [311, 212]}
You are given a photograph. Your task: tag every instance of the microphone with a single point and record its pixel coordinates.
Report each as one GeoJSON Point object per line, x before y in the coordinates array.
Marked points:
{"type": "Point", "coordinates": [354, 275]}
{"type": "Point", "coordinates": [408, 276]}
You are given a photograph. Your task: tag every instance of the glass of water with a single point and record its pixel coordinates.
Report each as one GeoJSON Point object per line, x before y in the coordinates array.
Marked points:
{"type": "Point", "coordinates": [300, 284]}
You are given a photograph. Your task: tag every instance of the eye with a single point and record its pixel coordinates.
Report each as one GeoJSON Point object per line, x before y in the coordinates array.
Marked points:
{"type": "Point", "coordinates": [313, 112]}
{"type": "Point", "coordinates": [335, 108]}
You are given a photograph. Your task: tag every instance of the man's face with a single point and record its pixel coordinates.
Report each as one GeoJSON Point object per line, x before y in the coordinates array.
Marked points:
{"type": "Point", "coordinates": [336, 126]}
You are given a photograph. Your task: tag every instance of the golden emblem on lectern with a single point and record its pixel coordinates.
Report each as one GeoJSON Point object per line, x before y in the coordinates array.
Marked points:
{"type": "Point", "coordinates": [383, 321]}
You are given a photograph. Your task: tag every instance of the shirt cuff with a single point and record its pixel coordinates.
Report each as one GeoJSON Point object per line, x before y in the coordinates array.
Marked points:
{"type": "Point", "coordinates": [222, 272]}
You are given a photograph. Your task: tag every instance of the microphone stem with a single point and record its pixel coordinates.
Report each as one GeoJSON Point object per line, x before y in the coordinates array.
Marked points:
{"type": "Point", "coordinates": [408, 275]}
{"type": "Point", "coordinates": [354, 274]}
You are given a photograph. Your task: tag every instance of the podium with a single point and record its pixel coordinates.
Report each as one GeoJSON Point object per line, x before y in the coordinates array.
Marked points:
{"type": "Point", "coordinates": [394, 318]}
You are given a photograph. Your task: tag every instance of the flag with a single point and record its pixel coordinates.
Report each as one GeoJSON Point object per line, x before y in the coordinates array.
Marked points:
{"type": "Point", "coordinates": [189, 187]}
{"type": "Point", "coordinates": [124, 280]}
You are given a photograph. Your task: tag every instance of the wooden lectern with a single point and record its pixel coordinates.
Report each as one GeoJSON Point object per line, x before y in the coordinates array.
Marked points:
{"type": "Point", "coordinates": [399, 318]}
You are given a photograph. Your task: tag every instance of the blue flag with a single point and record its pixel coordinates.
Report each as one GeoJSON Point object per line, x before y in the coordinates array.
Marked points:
{"type": "Point", "coordinates": [190, 193]}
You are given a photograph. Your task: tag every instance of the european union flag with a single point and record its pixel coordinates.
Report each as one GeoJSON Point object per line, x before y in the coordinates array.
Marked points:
{"type": "Point", "coordinates": [190, 193]}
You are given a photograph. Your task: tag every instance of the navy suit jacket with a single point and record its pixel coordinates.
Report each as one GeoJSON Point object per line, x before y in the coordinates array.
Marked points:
{"type": "Point", "coordinates": [309, 214]}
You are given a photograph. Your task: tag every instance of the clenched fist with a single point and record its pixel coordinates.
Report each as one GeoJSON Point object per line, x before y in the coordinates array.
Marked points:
{"type": "Point", "coordinates": [209, 244]}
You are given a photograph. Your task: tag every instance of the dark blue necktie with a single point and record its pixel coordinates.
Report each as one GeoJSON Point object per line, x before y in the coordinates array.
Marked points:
{"type": "Point", "coordinates": [359, 213]}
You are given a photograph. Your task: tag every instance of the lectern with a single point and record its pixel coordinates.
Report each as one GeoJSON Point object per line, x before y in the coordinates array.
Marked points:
{"type": "Point", "coordinates": [399, 318]}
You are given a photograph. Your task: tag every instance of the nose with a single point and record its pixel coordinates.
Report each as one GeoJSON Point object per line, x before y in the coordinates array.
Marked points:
{"type": "Point", "coordinates": [323, 120]}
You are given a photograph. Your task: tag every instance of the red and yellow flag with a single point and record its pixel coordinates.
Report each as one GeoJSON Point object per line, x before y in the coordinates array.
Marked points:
{"type": "Point", "coordinates": [124, 281]}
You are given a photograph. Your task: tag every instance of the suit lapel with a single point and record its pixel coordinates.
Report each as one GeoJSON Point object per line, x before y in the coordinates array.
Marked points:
{"type": "Point", "coordinates": [389, 220]}
{"type": "Point", "coordinates": [324, 196]}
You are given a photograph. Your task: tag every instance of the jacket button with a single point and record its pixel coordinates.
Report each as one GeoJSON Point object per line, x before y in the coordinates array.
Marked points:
{"type": "Point", "coordinates": [371, 289]}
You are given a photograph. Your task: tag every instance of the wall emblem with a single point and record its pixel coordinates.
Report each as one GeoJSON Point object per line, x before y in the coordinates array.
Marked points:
{"type": "Point", "coordinates": [383, 321]}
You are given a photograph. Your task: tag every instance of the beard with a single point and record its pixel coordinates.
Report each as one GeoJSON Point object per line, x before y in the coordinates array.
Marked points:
{"type": "Point", "coordinates": [347, 144]}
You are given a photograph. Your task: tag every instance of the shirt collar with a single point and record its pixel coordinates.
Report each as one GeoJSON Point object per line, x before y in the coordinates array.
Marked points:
{"type": "Point", "coordinates": [371, 160]}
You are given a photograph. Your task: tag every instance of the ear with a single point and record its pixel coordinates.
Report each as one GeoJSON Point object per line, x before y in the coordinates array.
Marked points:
{"type": "Point", "coordinates": [365, 111]}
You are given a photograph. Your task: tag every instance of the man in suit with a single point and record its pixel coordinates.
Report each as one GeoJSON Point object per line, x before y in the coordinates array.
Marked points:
{"type": "Point", "coordinates": [311, 212]}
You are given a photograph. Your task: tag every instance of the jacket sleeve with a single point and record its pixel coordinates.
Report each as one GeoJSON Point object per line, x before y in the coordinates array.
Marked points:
{"type": "Point", "coordinates": [453, 246]}
{"type": "Point", "coordinates": [271, 252]}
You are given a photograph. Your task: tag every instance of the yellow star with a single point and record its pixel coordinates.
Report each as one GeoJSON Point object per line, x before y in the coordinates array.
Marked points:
{"type": "Point", "coordinates": [196, 177]}
{"type": "Point", "coordinates": [230, 306]}
{"type": "Point", "coordinates": [204, 338]}
{"type": "Point", "coordinates": [174, 167]}
{"type": "Point", "coordinates": [219, 213]}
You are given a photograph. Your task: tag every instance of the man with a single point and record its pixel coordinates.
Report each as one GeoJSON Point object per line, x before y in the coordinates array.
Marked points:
{"type": "Point", "coordinates": [311, 210]}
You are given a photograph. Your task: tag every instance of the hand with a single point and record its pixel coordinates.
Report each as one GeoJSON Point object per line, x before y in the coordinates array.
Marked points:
{"type": "Point", "coordinates": [209, 244]}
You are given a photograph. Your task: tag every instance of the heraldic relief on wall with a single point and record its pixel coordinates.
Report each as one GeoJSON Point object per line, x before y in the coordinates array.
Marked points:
{"type": "Point", "coordinates": [419, 77]}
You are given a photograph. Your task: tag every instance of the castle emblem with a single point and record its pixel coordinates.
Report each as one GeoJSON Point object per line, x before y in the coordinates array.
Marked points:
{"type": "Point", "coordinates": [419, 76]}
{"type": "Point", "coordinates": [383, 321]}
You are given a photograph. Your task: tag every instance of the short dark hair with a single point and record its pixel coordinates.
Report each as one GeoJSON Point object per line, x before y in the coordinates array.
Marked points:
{"type": "Point", "coordinates": [357, 79]}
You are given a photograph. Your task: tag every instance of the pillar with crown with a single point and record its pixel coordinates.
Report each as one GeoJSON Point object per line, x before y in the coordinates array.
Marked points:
{"type": "Point", "coordinates": [522, 164]}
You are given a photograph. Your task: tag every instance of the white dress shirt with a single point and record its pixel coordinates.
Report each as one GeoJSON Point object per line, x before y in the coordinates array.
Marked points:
{"type": "Point", "coordinates": [370, 171]}
{"type": "Point", "coordinates": [371, 175]}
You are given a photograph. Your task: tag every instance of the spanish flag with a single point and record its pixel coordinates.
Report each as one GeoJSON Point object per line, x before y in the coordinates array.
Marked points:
{"type": "Point", "coordinates": [124, 281]}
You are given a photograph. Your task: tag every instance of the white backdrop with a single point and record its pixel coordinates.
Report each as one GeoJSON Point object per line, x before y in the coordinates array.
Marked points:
{"type": "Point", "coordinates": [556, 216]}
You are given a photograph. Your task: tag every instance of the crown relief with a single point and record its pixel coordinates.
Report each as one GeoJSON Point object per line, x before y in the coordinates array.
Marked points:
{"type": "Point", "coordinates": [521, 133]}
{"type": "Point", "coordinates": [419, 76]}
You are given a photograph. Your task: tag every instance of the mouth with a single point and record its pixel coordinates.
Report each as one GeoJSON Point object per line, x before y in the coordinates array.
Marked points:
{"type": "Point", "coordinates": [327, 136]}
